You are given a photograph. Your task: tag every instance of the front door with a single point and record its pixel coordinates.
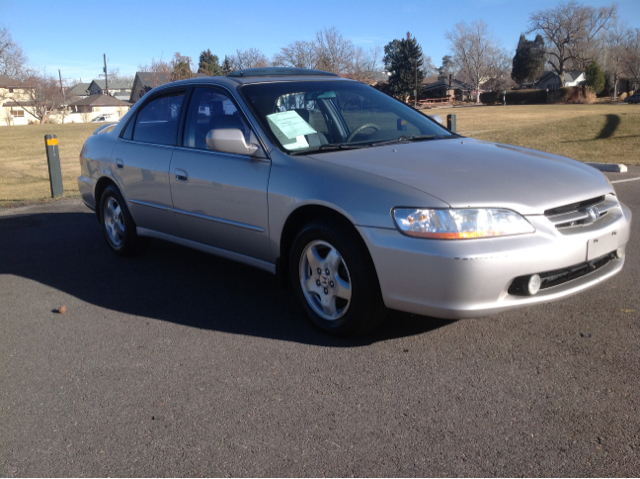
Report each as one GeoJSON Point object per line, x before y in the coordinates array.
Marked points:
{"type": "Point", "coordinates": [219, 199]}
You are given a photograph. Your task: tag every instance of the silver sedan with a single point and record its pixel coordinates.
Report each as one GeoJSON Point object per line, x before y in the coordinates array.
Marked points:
{"type": "Point", "coordinates": [356, 201]}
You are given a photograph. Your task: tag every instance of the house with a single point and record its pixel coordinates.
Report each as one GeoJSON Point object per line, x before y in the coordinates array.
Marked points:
{"type": "Point", "coordinates": [97, 105]}
{"type": "Point", "coordinates": [144, 82]}
{"type": "Point", "coordinates": [121, 89]}
{"type": "Point", "coordinates": [450, 88]}
{"type": "Point", "coordinates": [13, 97]}
{"type": "Point", "coordinates": [550, 80]}
{"type": "Point", "coordinates": [81, 90]}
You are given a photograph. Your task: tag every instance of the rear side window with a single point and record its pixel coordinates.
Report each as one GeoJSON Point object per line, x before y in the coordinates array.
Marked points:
{"type": "Point", "coordinates": [157, 122]}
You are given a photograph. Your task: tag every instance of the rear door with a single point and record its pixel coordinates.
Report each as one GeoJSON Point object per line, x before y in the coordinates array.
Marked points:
{"type": "Point", "coordinates": [219, 199]}
{"type": "Point", "coordinates": [143, 157]}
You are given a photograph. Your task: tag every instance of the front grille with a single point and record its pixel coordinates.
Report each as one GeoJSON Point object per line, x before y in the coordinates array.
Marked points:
{"type": "Point", "coordinates": [549, 279]}
{"type": "Point", "coordinates": [562, 210]}
{"type": "Point", "coordinates": [579, 214]}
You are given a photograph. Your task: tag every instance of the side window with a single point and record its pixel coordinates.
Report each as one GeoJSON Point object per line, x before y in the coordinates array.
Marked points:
{"type": "Point", "coordinates": [158, 120]}
{"type": "Point", "coordinates": [212, 109]}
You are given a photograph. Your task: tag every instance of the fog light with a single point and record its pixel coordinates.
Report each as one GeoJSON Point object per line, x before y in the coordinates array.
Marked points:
{"type": "Point", "coordinates": [620, 252]}
{"type": "Point", "coordinates": [534, 284]}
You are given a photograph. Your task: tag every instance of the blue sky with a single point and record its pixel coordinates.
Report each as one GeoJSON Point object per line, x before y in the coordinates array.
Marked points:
{"type": "Point", "coordinates": [72, 35]}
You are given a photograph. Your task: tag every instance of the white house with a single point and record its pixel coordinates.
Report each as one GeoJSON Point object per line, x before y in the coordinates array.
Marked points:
{"type": "Point", "coordinates": [97, 105]}
{"type": "Point", "coordinates": [551, 80]}
{"type": "Point", "coordinates": [11, 92]}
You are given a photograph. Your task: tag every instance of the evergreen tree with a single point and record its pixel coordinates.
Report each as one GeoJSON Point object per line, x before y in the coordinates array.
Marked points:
{"type": "Point", "coordinates": [537, 59]}
{"type": "Point", "coordinates": [446, 68]}
{"type": "Point", "coordinates": [226, 66]}
{"type": "Point", "coordinates": [403, 58]}
{"type": "Point", "coordinates": [595, 77]}
{"type": "Point", "coordinates": [209, 64]}
{"type": "Point", "coordinates": [528, 60]}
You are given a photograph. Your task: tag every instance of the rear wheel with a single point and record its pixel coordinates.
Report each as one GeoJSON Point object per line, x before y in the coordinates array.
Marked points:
{"type": "Point", "coordinates": [117, 224]}
{"type": "Point", "coordinates": [335, 281]}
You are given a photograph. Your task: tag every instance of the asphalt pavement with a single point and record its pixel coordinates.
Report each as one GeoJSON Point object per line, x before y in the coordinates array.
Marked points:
{"type": "Point", "coordinates": [177, 363]}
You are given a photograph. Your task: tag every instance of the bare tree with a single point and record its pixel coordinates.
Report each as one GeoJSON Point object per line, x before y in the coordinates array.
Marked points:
{"type": "Point", "coordinates": [570, 31]}
{"type": "Point", "coordinates": [500, 65]}
{"type": "Point", "coordinates": [86, 116]}
{"type": "Point", "coordinates": [365, 64]}
{"type": "Point", "coordinates": [632, 57]}
{"type": "Point", "coordinates": [41, 95]}
{"type": "Point", "coordinates": [334, 53]}
{"type": "Point", "coordinates": [476, 53]}
{"type": "Point", "coordinates": [428, 68]}
{"type": "Point", "coordinates": [251, 58]}
{"type": "Point", "coordinates": [162, 72]}
{"type": "Point", "coordinates": [299, 54]}
{"type": "Point", "coordinates": [614, 53]}
{"type": "Point", "coordinates": [12, 59]}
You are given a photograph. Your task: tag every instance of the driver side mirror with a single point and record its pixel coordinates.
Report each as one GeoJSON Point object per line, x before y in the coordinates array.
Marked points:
{"type": "Point", "coordinates": [231, 140]}
{"type": "Point", "coordinates": [437, 118]}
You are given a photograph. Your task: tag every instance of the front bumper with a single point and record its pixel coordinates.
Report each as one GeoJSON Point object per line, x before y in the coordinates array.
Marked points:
{"type": "Point", "coordinates": [471, 278]}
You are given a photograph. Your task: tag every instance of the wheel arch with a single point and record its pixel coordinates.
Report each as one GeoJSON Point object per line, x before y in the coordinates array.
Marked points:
{"type": "Point", "coordinates": [102, 185]}
{"type": "Point", "coordinates": [302, 216]}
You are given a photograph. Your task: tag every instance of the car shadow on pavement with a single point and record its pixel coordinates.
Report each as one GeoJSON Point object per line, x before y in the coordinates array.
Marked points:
{"type": "Point", "coordinates": [67, 252]}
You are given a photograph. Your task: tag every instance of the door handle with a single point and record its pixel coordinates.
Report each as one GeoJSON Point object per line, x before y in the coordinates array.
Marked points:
{"type": "Point", "coordinates": [181, 175]}
{"type": "Point", "coordinates": [119, 163]}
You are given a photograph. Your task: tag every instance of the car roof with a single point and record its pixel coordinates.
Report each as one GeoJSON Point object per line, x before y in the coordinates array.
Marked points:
{"type": "Point", "coordinates": [262, 75]}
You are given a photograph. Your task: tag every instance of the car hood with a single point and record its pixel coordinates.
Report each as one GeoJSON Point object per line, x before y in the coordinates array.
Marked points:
{"type": "Point", "coordinates": [464, 172]}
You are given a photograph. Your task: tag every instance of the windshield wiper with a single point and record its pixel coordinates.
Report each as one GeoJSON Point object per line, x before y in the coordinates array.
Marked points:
{"type": "Point", "coordinates": [404, 139]}
{"type": "Point", "coordinates": [328, 147]}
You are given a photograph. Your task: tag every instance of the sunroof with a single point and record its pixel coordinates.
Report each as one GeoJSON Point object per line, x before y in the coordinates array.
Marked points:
{"type": "Point", "coordinates": [278, 71]}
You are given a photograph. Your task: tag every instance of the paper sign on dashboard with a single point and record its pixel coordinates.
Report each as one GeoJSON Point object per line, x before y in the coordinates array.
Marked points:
{"type": "Point", "coordinates": [291, 124]}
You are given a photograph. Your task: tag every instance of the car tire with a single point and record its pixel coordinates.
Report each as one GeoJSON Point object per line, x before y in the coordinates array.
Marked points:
{"type": "Point", "coordinates": [335, 281]}
{"type": "Point", "coordinates": [118, 226]}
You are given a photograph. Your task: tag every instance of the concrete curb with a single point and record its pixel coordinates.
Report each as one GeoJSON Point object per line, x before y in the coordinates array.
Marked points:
{"type": "Point", "coordinates": [610, 167]}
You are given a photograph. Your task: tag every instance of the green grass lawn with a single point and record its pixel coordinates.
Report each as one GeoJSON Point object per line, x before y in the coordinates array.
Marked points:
{"type": "Point", "coordinates": [593, 133]}
{"type": "Point", "coordinates": [24, 175]}
{"type": "Point", "coordinates": [604, 133]}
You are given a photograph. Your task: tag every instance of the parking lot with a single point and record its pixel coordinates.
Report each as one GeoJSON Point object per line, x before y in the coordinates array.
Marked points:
{"type": "Point", "coordinates": [181, 364]}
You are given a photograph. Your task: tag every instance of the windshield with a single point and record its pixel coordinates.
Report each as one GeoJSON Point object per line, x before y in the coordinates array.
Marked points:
{"type": "Point", "coordinates": [305, 116]}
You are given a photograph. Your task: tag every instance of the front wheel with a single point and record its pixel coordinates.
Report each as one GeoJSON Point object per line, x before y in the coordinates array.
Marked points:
{"type": "Point", "coordinates": [335, 281]}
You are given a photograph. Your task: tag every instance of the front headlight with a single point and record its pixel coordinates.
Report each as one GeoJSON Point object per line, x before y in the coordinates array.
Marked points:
{"type": "Point", "coordinates": [460, 223]}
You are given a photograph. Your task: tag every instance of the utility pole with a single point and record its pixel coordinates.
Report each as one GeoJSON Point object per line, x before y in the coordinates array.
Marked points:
{"type": "Point", "coordinates": [415, 105]}
{"type": "Point", "coordinates": [106, 78]}
{"type": "Point", "coordinates": [64, 99]}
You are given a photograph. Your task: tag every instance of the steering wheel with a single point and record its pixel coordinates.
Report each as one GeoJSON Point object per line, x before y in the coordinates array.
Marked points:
{"type": "Point", "coordinates": [360, 128]}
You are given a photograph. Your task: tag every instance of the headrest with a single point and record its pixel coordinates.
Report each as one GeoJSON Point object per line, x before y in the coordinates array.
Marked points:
{"type": "Point", "coordinates": [304, 114]}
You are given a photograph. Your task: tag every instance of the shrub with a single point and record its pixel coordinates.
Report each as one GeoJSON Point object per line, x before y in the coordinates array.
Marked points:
{"type": "Point", "coordinates": [489, 97]}
{"type": "Point", "coordinates": [561, 95]}
{"type": "Point", "coordinates": [623, 96]}
{"type": "Point", "coordinates": [515, 97]}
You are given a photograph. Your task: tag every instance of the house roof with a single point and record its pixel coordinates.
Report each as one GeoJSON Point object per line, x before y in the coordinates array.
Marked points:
{"type": "Point", "coordinates": [428, 80]}
{"type": "Point", "coordinates": [79, 90]}
{"type": "Point", "coordinates": [568, 76]}
{"type": "Point", "coordinates": [6, 82]}
{"type": "Point", "coordinates": [152, 79]}
{"type": "Point", "coordinates": [22, 104]}
{"type": "Point", "coordinates": [455, 85]}
{"type": "Point", "coordinates": [114, 84]}
{"type": "Point", "coordinates": [100, 100]}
